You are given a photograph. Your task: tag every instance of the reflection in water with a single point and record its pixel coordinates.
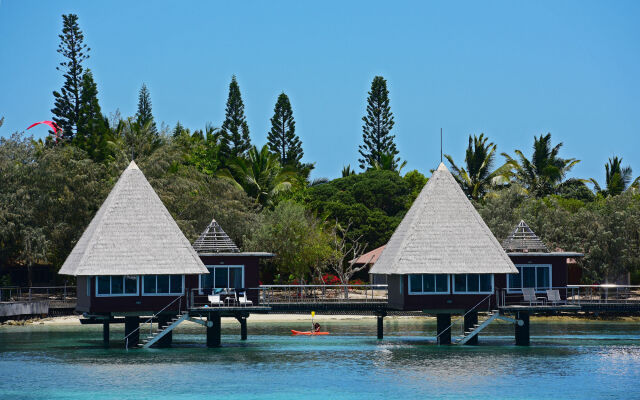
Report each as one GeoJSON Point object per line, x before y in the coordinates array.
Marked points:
{"type": "Point", "coordinates": [567, 360]}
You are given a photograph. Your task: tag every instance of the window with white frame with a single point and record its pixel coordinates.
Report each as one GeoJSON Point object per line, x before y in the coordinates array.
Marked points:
{"type": "Point", "coordinates": [223, 277]}
{"type": "Point", "coordinates": [160, 285]}
{"type": "Point", "coordinates": [116, 285]}
{"type": "Point", "coordinates": [537, 276]}
{"type": "Point", "coordinates": [473, 283]}
{"type": "Point", "coordinates": [428, 284]}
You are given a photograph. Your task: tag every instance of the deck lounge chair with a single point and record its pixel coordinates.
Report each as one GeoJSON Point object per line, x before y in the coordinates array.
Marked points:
{"type": "Point", "coordinates": [215, 300]}
{"type": "Point", "coordinates": [553, 297]}
{"type": "Point", "coordinates": [243, 300]}
{"type": "Point", "coordinates": [529, 295]}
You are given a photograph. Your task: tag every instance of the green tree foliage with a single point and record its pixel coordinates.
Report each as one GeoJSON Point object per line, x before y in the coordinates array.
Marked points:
{"type": "Point", "coordinates": [67, 104]}
{"type": "Point", "coordinates": [415, 181]}
{"type": "Point", "coordinates": [541, 175]}
{"type": "Point", "coordinates": [617, 178]}
{"type": "Point", "coordinates": [374, 202]}
{"type": "Point", "coordinates": [347, 171]}
{"type": "Point", "coordinates": [260, 176]}
{"type": "Point", "coordinates": [282, 138]}
{"type": "Point", "coordinates": [235, 130]}
{"type": "Point", "coordinates": [298, 239]}
{"type": "Point", "coordinates": [144, 115]}
{"type": "Point", "coordinates": [478, 178]}
{"type": "Point", "coordinates": [92, 133]}
{"type": "Point", "coordinates": [376, 130]}
{"type": "Point", "coordinates": [606, 230]}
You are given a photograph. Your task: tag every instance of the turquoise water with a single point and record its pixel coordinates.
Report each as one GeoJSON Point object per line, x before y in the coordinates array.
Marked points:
{"type": "Point", "coordinates": [567, 360]}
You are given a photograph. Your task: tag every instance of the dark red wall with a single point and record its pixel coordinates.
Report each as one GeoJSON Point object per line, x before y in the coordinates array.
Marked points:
{"type": "Point", "coordinates": [151, 304]}
{"type": "Point", "coordinates": [558, 267]}
{"type": "Point", "coordinates": [413, 302]}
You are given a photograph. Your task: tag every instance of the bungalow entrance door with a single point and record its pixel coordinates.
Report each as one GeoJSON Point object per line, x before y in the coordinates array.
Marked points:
{"type": "Point", "coordinates": [223, 277]}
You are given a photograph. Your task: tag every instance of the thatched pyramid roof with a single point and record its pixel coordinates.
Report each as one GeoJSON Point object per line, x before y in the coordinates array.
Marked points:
{"type": "Point", "coordinates": [524, 239]}
{"type": "Point", "coordinates": [214, 240]}
{"type": "Point", "coordinates": [443, 234]}
{"type": "Point", "coordinates": [132, 234]}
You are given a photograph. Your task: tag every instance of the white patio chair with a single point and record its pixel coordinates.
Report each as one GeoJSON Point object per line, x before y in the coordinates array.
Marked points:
{"type": "Point", "coordinates": [215, 300]}
{"type": "Point", "coordinates": [553, 297]}
{"type": "Point", "coordinates": [529, 295]}
{"type": "Point", "coordinates": [244, 301]}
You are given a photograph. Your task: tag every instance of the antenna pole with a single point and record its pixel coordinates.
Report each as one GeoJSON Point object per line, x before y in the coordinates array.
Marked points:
{"type": "Point", "coordinates": [440, 144]}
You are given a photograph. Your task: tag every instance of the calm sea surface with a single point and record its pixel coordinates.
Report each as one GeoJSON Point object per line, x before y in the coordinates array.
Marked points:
{"type": "Point", "coordinates": [567, 360]}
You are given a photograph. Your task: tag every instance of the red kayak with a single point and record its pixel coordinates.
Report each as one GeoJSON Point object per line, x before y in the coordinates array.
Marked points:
{"type": "Point", "coordinates": [293, 332]}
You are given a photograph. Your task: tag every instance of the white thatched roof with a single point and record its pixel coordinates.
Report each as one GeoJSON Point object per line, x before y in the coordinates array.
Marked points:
{"type": "Point", "coordinates": [132, 234]}
{"type": "Point", "coordinates": [442, 234]}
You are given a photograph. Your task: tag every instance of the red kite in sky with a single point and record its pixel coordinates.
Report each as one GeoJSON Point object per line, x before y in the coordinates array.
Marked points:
{"type": "Point", "coordinates": [52, 124]}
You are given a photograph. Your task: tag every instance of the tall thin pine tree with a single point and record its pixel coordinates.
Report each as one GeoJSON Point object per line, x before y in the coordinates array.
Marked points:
{"type": "Point", "coordinates": [376, 131]}
{"type": "Point", "coordinates": [144, 115]}
{"type": "Point", "coordinates": [66, 109]}
{"type": "Point", "coordinates": [92, 129]}
{"type": "Point", "coordinates": [282, 138]}
{"type": "Point", "coordinates": [235, 130]}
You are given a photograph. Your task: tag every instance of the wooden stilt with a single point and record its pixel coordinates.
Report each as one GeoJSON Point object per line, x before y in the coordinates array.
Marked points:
{"type": "Point", "coordinates": [522, 331]}
{"type": "Point", "coordinates": [213, 331]}
{"type": "Point", "coordinates": [444, 328]}
{"type": "Point", "coordinates": [380, 326]}
{"type": "Point", "coordinates": [470, 320]}
{"type": "Point", "coordinates": [130, 325]}
{"type": "Point", "coordinates": [243, 327]}
{"type": "Point", "coordinates": [105, 333]}
{"type": "Point", "coordinates": [167, 339]}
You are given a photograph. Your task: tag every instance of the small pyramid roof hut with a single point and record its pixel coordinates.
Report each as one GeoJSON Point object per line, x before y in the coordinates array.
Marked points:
{"type": "Point", "coordinates": [132, 233]}
{"type": "Point", "coordinates": [524, 239]}
{"type": "Point", "coordinates": [214, 240]}
{"type": "Point", "coordinates": [443, 233]}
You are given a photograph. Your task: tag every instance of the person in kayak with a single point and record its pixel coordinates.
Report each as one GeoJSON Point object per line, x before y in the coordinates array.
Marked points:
{"type": "Point", "coordinates": [316, 327]}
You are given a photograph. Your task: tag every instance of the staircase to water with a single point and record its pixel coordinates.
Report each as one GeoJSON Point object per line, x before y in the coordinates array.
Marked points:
{"type": "Point", "coordinates": [163, 330]}
{"type": "Point", "coordinates": [477, 328]}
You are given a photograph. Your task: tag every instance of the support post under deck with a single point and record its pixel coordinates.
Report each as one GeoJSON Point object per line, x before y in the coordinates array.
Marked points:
{"type": "Point", "coordinates": [443, 323]}
{"type": "Point", "coordinates": [380, 326]}
{"type": "Point", "coordinates": [105, 332]}
{"type": "Point", "coordinates": [522, 332]}
{"type": "Point", "coordinates": [130, 325]}
{"type": "Point", "coordinates": [471, 319]}
{"type": "Point", "coordinates": [243, 327]}
{"type": "Point", "coordinates": [213, 331]}
{"type": "Point", "coordinates": [164, 341]}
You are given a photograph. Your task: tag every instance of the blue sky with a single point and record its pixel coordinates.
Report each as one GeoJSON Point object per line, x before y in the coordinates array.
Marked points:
{"type": "Point", "coordinates": [509, 69]}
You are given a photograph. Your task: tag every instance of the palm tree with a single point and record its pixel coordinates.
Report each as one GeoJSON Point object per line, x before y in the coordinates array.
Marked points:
{"type": "Point", "coordinates": [617, 178]}
{"type": "Point", "coordinates": [542, 174]}
{"type": "Point", "coordinates": [388, 162]}
{"type": "Point", "coordinates": [477, 178]}
{"type": "Point", "coordinates": [260, 175]}
{"type": "Point", "coordinates": [347, 171]}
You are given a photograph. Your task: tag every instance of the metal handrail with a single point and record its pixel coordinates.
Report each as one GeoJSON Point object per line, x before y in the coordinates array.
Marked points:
{"type": "Point", "coordinates": [465, 314]}
{"type": "Point", "coordinates": [150, 320]}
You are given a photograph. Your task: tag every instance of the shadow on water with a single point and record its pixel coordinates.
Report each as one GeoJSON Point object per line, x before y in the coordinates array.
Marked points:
{"type": "Point", "coordinates": [575, 359]}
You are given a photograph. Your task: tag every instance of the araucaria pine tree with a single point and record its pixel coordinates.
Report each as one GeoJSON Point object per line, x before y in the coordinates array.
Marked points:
{"type": "Point", "coordinates": [235, 139]}
{"type": "Point", "coordinates": [66, 109]}
{"type": "Point", "coordinates": [144, 115]}
{"type": "Point", "coordinates": [282, 138]}
{"type": "Point", "coordinates": [92, 132]}
{"type": "Point", "coordinates": [376, 131]}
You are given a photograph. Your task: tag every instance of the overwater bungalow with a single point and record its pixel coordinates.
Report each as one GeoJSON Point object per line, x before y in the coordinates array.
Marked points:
{"type": "Point", "coordinates": [538, 267]}
{"type": "Point", "coordinates": [228, 267]}
{"type": "Point", "coordinates": [442, 256]}
{"type": "Point", "coordinates": [132, 258]}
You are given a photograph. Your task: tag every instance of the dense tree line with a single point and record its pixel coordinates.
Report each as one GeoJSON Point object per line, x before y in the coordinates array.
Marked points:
{"type": "Point", "coordinates": [263, 195]}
